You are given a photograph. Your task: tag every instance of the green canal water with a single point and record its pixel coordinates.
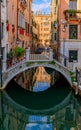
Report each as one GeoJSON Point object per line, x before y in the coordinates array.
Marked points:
{"type": "Point", "coordinates": [55, 108]}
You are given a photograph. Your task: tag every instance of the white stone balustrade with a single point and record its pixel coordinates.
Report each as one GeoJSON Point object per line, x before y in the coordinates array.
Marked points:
{"type": "Point", "coordinates": [51, 54]}
{"type": "Point", "coordinates": [27, 54]}
{"type": "Point", "coordinates": [36, 58]}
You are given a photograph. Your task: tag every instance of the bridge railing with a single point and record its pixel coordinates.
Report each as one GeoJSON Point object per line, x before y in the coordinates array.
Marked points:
{"type": "Point", "coordinates": [15, 68]}
{"type": "Point", "coordinates": [22, 65]}
{"type": "Point", "coordinates": [65, 61]}
{"type": "Point", "coordinates": [45, 56]}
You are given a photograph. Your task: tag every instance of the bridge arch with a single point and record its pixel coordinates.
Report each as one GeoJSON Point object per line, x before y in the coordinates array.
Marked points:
{"type": "Point", "coordinates": [11, 73]}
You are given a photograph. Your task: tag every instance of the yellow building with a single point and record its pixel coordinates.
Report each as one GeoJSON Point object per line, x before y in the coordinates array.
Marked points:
{"type": "Point", "coordinates": [44, 23]}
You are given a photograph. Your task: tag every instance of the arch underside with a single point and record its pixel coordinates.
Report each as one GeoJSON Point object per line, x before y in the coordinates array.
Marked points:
{"type": "Point", "coordinates": [45, 103]}
{"type": "Point", "coordinates": [54, 67]}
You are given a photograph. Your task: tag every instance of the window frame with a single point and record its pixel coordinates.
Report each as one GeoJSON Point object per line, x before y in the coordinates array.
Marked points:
{"type": "Point", "coordinates": [73, 55]}
{"type": "Point", "coordinates": [73, 4]}
{"type": "Point", "coordinates": [75, 31]}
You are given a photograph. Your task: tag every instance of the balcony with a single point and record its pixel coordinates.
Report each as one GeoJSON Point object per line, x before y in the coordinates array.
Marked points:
{"type": "Point", "coordinates": [72, 14]}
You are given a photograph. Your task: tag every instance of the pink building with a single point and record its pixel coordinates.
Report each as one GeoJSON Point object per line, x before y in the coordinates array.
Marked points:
{"type": "Point", "coordinates": [19, 23]}
{"type": "Point", "coordinates": [69, 32]}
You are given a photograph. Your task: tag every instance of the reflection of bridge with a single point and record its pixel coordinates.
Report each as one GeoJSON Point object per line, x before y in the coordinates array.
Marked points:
{"type": "Point", "coordinates": [45, 103]}
{"type": "Point", "coordinates": [35, 60]}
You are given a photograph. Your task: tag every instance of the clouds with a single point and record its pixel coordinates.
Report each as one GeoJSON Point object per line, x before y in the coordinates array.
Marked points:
{"type": "Point", "coordinates": [42, 5]}
{"type": "Point", "coordinates": [45, 0]}
{"type": "Point", "coordinates": [35, 126]}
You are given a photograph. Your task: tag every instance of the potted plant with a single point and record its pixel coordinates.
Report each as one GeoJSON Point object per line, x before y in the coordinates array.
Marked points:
{"type": "Point", "coordinates": [9, 58]}
{"type": "Point", "coordinates": [18, 52]}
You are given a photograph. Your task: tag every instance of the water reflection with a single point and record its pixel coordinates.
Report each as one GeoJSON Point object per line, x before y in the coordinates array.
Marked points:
{"type": "Point", "coordinates": [68, 117]}
{"type": "Point", "coordinates": [40, 86]}
{"type": "Point", "coordinates": [38, 123]}
{"type": "Point", "coordinates": [36, 79]}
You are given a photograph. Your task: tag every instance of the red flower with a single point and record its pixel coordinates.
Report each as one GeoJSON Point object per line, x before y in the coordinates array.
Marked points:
{"type": "Point", "coordinates": [8, 27]}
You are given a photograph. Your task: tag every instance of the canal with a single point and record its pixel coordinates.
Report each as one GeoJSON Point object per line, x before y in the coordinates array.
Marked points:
{"type": "Point", "coordinates": [48, 102]}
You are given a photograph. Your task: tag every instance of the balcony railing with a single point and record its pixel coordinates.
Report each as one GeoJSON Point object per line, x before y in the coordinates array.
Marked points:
{"type": "Point", "coordinates": [72, 14]}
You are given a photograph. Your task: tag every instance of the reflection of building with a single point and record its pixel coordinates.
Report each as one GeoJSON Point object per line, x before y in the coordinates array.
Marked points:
{"type": "Point", "coordinates": [44, 23]}
{"type": "Point", "coordinates": [42, 75]}
{"type": "Point", "coordinates": [28, 78]}
{"type": "Point", "coordinates": [66, 119]}
{"type": "Point", "coordinates": [13, 119]}
{"type": "Point", "coordinates": [25, 79]}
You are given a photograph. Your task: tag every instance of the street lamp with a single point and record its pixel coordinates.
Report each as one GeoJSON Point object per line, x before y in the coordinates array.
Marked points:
{"type": "Point", "coordinates": [0, 50]}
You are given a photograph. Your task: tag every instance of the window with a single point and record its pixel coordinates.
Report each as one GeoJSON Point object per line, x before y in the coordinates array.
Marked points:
{"type": "Point", "coordinates": [46, 29]}
{"type": "Point", "coordinates": [55, 37]}
{"type": "Point", "coordinates": [56, 1]}
{"type": "Point", "coordinates": [2, 30]}
{"type": "Point", "coordinates": [54, 10]}
{"type": "Point", "coordinates": [73, 55]}
{"type": "Point", "coordinates": [45, 23]}
{"type": "Point", "coordinates": [73, 4]}
{"type": "Point", "coordinates": [21, 20]}
{"type": "Point", "coordinates": [26, 27]}
{"type": "Point", "coordinates": [13, 14]}
{"type": "Point", "coordinates": [73, 29]}
{"type": "Point", "coordinates": [3, 1]}
{"type": "Point", "coordinates": [6, 10]}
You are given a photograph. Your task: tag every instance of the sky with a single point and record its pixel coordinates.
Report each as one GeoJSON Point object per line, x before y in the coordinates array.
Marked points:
{"type": "Point", "coordinates": [42, 5]}
{"type": "Point", "coordinates": [36, 126]}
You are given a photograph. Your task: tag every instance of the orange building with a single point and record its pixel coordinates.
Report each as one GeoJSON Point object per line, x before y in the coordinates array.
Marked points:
{"type": "Point", "coordinates": [19, 23]}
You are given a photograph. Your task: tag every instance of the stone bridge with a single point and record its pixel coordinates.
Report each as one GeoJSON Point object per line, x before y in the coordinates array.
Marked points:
{"type": "Point", "coordinates": [36, 60]}
{"type": "Point", "coordinates": [29, 103]}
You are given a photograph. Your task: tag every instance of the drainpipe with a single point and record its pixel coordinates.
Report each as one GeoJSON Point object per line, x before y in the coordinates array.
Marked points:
{"type": "Point", "coordinates": [0, 51]}
{"type": "Point", "coordinates": [17, 22]}
{"type": "Point", "coordinates": [1, 111]}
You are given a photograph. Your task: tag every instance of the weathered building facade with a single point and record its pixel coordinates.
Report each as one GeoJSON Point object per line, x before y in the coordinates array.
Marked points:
{"type": "Point", "coordinates": [69, 32]}
{"type": "Point", "coordinates": [35, 32]}
{"type": "Point", "coordinates": [3, 34]}
{"type": "Point", "coordinates": [53, 13]}
{"type": "Point", "coordinates": [19, 23]}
